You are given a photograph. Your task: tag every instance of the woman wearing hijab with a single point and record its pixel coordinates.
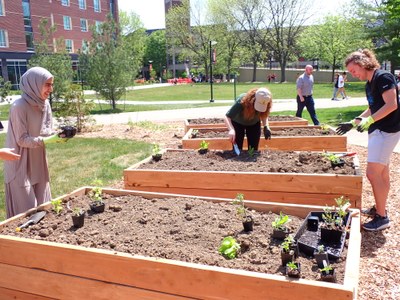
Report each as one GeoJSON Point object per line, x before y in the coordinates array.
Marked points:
{"type": "Point", "coordinates": [30, 119]}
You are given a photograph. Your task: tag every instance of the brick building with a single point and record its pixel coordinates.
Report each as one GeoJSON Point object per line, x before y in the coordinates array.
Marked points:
{"type": "Point", "coordinates": [19, 28]}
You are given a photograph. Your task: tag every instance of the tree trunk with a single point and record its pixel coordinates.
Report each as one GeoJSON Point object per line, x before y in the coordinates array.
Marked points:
{"type": "Point", "coordinates": [254, 71]}
{"type": "Point", "coordinates": [333, 69]}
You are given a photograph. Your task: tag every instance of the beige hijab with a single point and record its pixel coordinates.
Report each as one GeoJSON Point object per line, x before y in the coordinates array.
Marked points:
{"type": "Point", "coordinates": [31, 85]}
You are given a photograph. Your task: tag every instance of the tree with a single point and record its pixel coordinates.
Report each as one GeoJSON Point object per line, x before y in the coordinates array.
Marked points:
{"type": "Point", "coordinates": [57, 62]}
{"type": "Point", "coordinates": [110, 64]}
{"type": "Point", "coordinates": [333, 40]}
{"type": "Point", "coordinates": [156, 51]}
{"type": "Point", "coordinates": [5, 88]}
{"type": "Point", "coordinates": [381, 20]}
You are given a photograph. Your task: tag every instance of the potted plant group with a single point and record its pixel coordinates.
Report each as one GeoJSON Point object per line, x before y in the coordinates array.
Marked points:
{"type": "Point", "coordinates": [279, 227]}
{"type": "Point", "coordinates": [203, 147]}
{"type": "Point", "coordinates": [97, 204]}
{"type": "Point", "coordinates": [243, 213]}
{"type": "Point", "coordinates": [78, 217]}
{"type": "Point", "coordinates": [156, 152]}
{"type": "Point", "coordinates": [293, 269]}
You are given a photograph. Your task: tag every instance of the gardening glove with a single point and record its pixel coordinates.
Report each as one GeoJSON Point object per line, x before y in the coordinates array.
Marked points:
{"type": "Point", "coordinates": [347, 126]}
{"type": "Point", "coordinates": [365, 123]}
{"type": "Point", "coordinates": [55, 138]}
{"type": "Point", "coordinates": [267, 133]}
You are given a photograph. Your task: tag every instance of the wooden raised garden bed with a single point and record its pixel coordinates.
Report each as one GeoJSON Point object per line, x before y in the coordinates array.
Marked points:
{"type": "Point", "coordinates": [38, 269]}
{"type": "Point", "coordinates": [278, 120]}
{"type": "Point", "coordinates": [300, 188]}
{"type": "Point", "coordinates": [279, 140]}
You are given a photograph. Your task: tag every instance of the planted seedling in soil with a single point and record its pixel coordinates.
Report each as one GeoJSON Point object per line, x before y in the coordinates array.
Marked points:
{"type": "Point", "coordinates": [194, 133]}
{"type": "Point", "coordinates": [229, 247]}
{"type": "Point", "coordinates": [333, 217]}
{"type": "Point", "coordinates": [56, 205]}
{"type": "Point", "coordinates": [324, 129]}
{"type": "Point", "coordinates": [78, 217]}
{"type": "Point", "coordinates": [335, 160]}
{"type": "Point", "coordinates": [203, 147]}
{"type": "Point", "coordinates": [280, 229]}
{"type": "Point", "coordinates": [243, 212]}
{"type": "Point", "coordinates": [251, 151]}
{"type": "Point", "coordinates": [287, 252]}
{"type": "Point", "coordinates": [328, 273]}
{"type": "Point", "coordinates": [321, 256]}
{"type": "Point", "coordinates": [156, 152]}
{"type": "Point", "coordinates": [97, 204]}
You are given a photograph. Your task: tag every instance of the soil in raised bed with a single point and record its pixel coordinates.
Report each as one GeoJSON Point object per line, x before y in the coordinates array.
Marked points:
{"type": "Point", "coordinates": [221, 120]}
{"type": "Point", "coordinates": [261, 161]}
{"type": "Point", "coordinates": [169, 228]}
{"type": "Point", "coordinates": [287, 131]}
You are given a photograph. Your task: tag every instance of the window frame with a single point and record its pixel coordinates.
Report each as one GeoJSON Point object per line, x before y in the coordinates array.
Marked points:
{"type": "Point", "coordinates": [86, 25]}
{"type": "Point", "coordinates": [4, 34]}
{"type": "Point", "coordinates": [82, 4]}
{"type": "Point", "coordinates": [2, 8]}
{"type": "Point", "coordinates": [65, 2]}
{"type": "Point", "coordinates": [98, 6]}
{"type": "Point", "coordinates": [71, 50]}
{"type": "Point", "coordinates": [69, 23]}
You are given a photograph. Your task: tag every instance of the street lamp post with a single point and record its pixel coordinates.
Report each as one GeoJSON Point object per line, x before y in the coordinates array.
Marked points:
{"type": "Point", "coordinates": [212, 43]}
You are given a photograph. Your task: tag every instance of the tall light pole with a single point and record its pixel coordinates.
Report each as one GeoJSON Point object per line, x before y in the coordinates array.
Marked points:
{"type": "Point", "coordinates": [212, 43]}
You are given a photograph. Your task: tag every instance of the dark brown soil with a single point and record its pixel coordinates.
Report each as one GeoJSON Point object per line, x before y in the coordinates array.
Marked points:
{"type": "Point", "coordinates": [169, 228]}
{"type": "Point", "coordinates": [287, 131]}
{"type": "Point", "coordinates": [221, 120]}
{"type": "Point", "coordinates": [261, 161]}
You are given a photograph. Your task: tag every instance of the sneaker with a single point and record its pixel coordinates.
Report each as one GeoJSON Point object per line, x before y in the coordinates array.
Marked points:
{"type": "Point", "coordinates": [377, 223]}
{"type": "Point", "coordinates": [371, 212]}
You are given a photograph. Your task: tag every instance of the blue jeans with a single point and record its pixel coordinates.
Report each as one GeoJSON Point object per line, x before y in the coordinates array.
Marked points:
{"type": "Point", "coordinates": [309, 104]}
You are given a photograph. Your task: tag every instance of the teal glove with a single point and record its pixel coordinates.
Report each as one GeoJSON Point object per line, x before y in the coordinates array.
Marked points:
{"type": "Point", "coordinates": [54, 139]}
{"type": "Point", "coordinates": [365, 123]}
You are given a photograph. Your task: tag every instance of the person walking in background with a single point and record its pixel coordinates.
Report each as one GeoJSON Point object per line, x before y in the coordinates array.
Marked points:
{"type": "Point", "coordinates": [244, 117]}
{"type": "Point", "coordinates": [27, 179]}
{"type": "Point", "coordinates": [341, 81]}
{"type": "Point", "coordinates": [304, 84]}
{"type": "Point", "coordinates": [382, 121]}
{"type": "Point", "coordinates": [335, 87]}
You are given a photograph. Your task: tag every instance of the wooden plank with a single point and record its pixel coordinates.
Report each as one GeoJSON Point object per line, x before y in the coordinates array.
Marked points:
{"type": "Point", "coordinates": [172, 277]}
{"type": "Point", "coordinates": [61, 286]}
{"type": "Point", "coordinates": [7, 294]}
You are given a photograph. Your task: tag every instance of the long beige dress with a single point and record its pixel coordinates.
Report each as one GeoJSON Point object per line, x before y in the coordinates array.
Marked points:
{"type": "Point", "coordinates": [27, 179]}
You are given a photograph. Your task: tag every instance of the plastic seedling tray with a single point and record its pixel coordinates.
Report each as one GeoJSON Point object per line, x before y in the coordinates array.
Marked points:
{"type": "Point", "coordinates": [309, 240]}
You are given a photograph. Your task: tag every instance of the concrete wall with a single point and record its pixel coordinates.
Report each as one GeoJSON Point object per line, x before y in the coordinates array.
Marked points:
{"type": "Point", "coordinates": [246, 75]}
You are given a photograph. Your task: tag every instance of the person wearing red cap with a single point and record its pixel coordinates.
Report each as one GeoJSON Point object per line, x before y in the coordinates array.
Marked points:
{"type": "Point", "coordinates": [245, 116]}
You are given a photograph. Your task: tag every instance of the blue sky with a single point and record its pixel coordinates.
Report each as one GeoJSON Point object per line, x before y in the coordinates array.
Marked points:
{"type": "Point", "coordinates": [151, 12]}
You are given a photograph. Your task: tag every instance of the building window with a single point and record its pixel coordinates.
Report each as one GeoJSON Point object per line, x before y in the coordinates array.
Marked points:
{"type": "Point", "coordinates": [98, 26]}
{"type": "Point", "coordinates": [2, 8]}
{"type": "Point", "coordinates": [82, 4]}
{"type": "Point", "coordinates": [29, 41]}
{"type": "Point", "coordinates": [69, 45]}
{"type": "Point", "coordinates": [67, 23]}
{"type": "Point", "coordinates": [85, 47]}
{"type": "Point", "coordinates": [3, 38]}
{"type": "Point", "coordinates": [96, 5]}
{"type": "Point", "coordinates": [65, 2]}
{"type": "Point", "coordinates": [84, 25]}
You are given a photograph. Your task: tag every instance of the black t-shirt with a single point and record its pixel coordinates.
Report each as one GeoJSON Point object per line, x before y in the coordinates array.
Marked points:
{"type": "Point", "coordinates": [381, 82]}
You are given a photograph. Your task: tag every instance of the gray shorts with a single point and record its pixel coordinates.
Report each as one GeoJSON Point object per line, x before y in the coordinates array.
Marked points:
{"type": "Point", "coordinates": [381, 145]}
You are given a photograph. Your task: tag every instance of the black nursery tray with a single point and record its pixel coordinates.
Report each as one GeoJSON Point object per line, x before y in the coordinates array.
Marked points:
{"type": "Point", "coordinates": [308, 241]}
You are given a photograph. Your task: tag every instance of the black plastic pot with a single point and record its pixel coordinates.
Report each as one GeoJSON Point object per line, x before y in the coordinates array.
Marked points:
{"type": "Point", "coordinates": [339, 163]}
{"type": "Point", "coordinates": [287, 257]}
{"type": "Point", "coordinates": [248, 224]}
{"type": "Point", "coordinates": [280, 234]}
{"type": "Point", "coordinates": [97, 207]}
{"type": "Point", "coordinates": [78, 221]}
{"type": "Point", "coordinates": [320, 258]}
{"type": "Point", "coordinates": [312, 223]}
{"type": "Point", "coordinates": [156, 157]}
{"type": "Point", "coordinates": [203, 151]}
{"type": "Point", "coordinates": [331, 236]}
{"type": "Point", "coordinates": [294, 273]}
{"type": "Point", "coordinates": [329, 276]}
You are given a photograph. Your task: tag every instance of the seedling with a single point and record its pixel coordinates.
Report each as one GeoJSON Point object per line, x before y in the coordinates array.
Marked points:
{"type": "Point", "coordinates": [333, 158]}
{"type": "Point", "coordinates": [250, 151]}
{"type": "Point", "coordinates": [287, 243]}
{"type": "Point", "coordinates": [56, 205]}
{"type": "Point", "coordinates": [326, 269]}
{"type": "Point", "coordinates": [77, 211]}
{"type": "Point", "coordinates": [204, 145]}
{"type": "Point", "coordinates": [320, 249]}
{"type": "Point", "coordinates": [325, 129]}
{"type": "Point", "coordinates": [194, 133]}
{"type": "Point", "coordinates": [292, 266]}
{"type": "Point", "coordinates": [95, 192]}
{"type": "Point", "coordinates": [156, 149]}
{"type": "Point", "coordinates": [241, 210]}
{"type": "Point", "coordinates": [280, 222]}
{"type": "Point", "coordinates": [229, 247]}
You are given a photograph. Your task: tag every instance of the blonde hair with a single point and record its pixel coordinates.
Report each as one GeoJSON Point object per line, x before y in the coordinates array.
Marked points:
{"type": "Point", "coordinates": [365, 58]}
